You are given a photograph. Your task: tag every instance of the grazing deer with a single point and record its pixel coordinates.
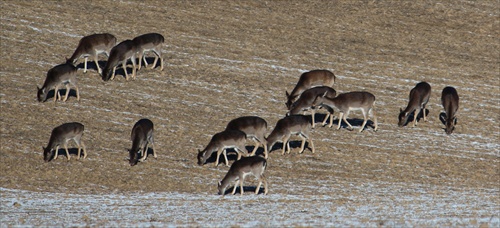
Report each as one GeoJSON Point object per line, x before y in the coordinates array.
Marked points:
{"type": "Point", "coordinates": [240, 169]}
{"type": "Point", "coordinates": [119, 55]}
{"type": "Point", "coordinates": [419, 96]}
{"type": "Point", "coordinates": [149, 42]}
{"type": "Point", "coordinates": [254, 127]}
{"type": "Point", "coordinates": [60, 136]}
{"type": "Point", "coordinates": [304, 103]}
{"type": "Point", "coordinates": [93, 45]}
{"type": "Point", "coordinates": [449, 99]}
{"type": "Point", "coordinates": [347, 102]}
{"type": "Point", "coordinates": [286, 127]}
{"type": "Point", "coordinates": [141, 136]}
{"type": "Point", "coordinates": [220, 142]}
{"type": "Point", "coordinates": [308, 80]}
{"type": "Point", "coordinates": [60, 75]}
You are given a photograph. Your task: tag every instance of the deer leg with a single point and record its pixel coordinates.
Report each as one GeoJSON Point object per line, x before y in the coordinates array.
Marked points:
{"type": "Point", "coordinates": [341, 114]}
{"type": "Point", "coordinates": [114, 71]}
{"type": "Point", "coordinates": [224, 152]}
{"type": "Point", "coordinates": [57, 151]}
{"type": "Point", "coordinates": [241, 185]}
{"type": "Point", "coordinates": [124, 66]}
{"type": "Point", "coordinates": [365, 119]}
{"type": "Point", "coordinates": [344, 119]}
{"type": "Point", "coordinates": [311, 145]}
{"type": "Point", "coordinates": [67, 92]}
{"type": "Point", "coordinates": [144, 153]}
{"type": "Point", "coordinates": [133, 67]}
{"type": "Point", "coordinates": [302, 144]}
{"type": "Point", "coordinates": [255, 147]}
{"type": "Point", "coordinates": [266, 152]}
{"type": "Point", "coordinates": [77, 92]}
{"type": "Point", "coordinates": [423, 110]}
{"type": "Point", "coordinates": [153, 147]}
{"type": "Point", "coordinates": [84, 151]}
{"type": "Point", "coordinates": [218, 155]}
{"type": "Point", "coordinates": [235, 186]}
{"type": "Point", "coordinates": [140, 61]}
{"type": "Point", "coordinates": [264, 179]}
{"type": "Point", "coordinates": [312, 117]}
{"type": "Point", "coordinates": [79, 149]}
{"type": "Point", "coordinates": [286, 146]}
{"type": "Point", "coordinates": [415, 113]}
{"type": "Point", "coordinates": [66, 149]}
{"type": "Point", "coordinates": [374, 119]}
{"type": "Point", "coordinates": [97, 64]}
{"type": "Point", "coordinates": [85, 65]}
{"type": "Point", "coordinates": [56, 92]}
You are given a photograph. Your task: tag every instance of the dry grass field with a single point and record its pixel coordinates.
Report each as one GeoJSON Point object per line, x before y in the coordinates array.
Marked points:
{"type": "Point", "coordinates": [225, 59]}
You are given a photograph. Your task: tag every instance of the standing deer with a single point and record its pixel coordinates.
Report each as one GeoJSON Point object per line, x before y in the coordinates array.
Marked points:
{"type": "Point", "coordinates": [286, 127]}
{"type": "Point", "coordinates": [60, 136]}
{"type": "Point", "coordinates": [60, 75]}
{"type": "Point", "coordinates": [304, 103]}
{"type": "Point", "coordinates": [254, 127]}
{"type": "Point", "coordinates": [449, 99]}
{"type": "Point", "coordinates": [240, 169]}
{"type": "Point", "coordinates": [149, 42]}
{"type": "Point", "coordinates": [347, 102]}
{"type": "Point", "coordinates": [308, 80]}
{"type": "Point", "coordinates": [222, 141]}
{"type": "Point", "coordinates": [141, 136]}
{"type": "Point", "coordinates": [119, 55]}
{"type": "Point", "coordinates": [93, 45]}
{"type": "Point", "coordinates": [419, 96]}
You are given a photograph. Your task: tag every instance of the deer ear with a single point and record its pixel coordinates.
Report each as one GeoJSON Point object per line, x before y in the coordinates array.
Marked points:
{"type": "Point", "coordinates": [400, 110]}
{"type": "Point", "coordinates": [287, 94]}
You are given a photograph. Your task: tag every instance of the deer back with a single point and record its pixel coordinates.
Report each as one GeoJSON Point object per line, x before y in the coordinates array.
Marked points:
{"type": "Point", "coordinates": [60, 135]}
{"type": "Point", "coordinates": [307, 98]}
{"type": "Point", "coordinates": [254, 165]}
{"type": "Point", "coordinates": [308, 80]}
{"type": "Point", "coordinates": [450, 99]}
{"type": "Point", "coordinates": [92, 44]}
{"type": "Point", "coordinates": [119, 53]}
{"type": "Point", "coordinates": [148, 41]}
{"type": "Point", "coordinates": [251, 125]}
{"type": "Point", "coordinates": [224, 139]}
{"type": "Point", "coordinates": [59, 75]}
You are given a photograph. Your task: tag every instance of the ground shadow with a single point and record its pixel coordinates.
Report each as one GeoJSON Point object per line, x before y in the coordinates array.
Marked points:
{"type": "Point", "coordinates": [245, 189]}
{"type": "Point", "coordinates": [231, 156]}
{"type": "Point", "coordinates": [150, 61]}
{"type": "Point", "coordinates": [293, 145]}
{"type": "Point", "coordinates": [52, 93]}
{"type": "Point", "coordinates": [62, 153]}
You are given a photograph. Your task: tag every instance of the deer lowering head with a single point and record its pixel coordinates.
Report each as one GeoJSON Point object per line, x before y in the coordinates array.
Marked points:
{"type": "Point", "coordinates": [449, 99]}
{"type": "Point", "coordinates": [305, 103]}
{"type": "Point", "coordinates": [308, 80]}
{"type": "Point", "coordinates": [141, 136]}
{"type": "Point", "coordinates": [419, 96]}
{"type": "Point", "coordinates": [60, 75]}
{"type": "Point", "coordinates": [240, 169]}
{"type": "Point", "coordinates": [61, 135]}
{"type": "Point", "coordinates": [119, 55]}
{"type": "Point", "coordinates": [222, 141]}
{"type": "Point", "coordinates": [93, 45]}
{"type": "Point", "coordinates": [149, 42]}
{"type": "Point", "coordinates": [254, 127]}
{"type": "Point", "coordinates": [347, 102]}
{"type": "Point", "coordinates": [286, 127]}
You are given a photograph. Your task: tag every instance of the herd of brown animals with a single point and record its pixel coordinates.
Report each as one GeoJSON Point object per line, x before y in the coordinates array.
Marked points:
{"type": "Point", "coordinates": [313, 91]}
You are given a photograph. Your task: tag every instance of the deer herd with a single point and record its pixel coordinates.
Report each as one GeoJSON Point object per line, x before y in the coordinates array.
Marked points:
{"type": "Point", "coordinates": [313, 91]}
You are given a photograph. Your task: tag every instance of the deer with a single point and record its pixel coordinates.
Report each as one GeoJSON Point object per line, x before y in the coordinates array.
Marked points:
{"type": "Point", "coordinates": [286, 127]}
{"type": "Point", "coordinates": [254, 127]}
{"type": "Point", "coordinates": [347, 102]}
{"type": "Point", "coordinates": [93, 45]}
{"type": "Point", "coordinates": [60, 75]}
{"type": "Point", "coordinates": [419, 96]}
{"type": "Point", "coordinates": [141, 136]}
{"type": "Point", "coordinates": [305, 100]}
{"type": "Point", "coordinates": [254, 165]}
{"type": "Point", "coordinates": [308, 80]}
{"type": "Point", "coordinates": [61, 135]}
{"type": "Point", "coordinates": [149, 42]}
{"type": "Point", "coordinates": [222, 141]}
{"type": "Point", "coordinates": [449, 100]}
{"type": "Point", "coordinates": [119, 55]}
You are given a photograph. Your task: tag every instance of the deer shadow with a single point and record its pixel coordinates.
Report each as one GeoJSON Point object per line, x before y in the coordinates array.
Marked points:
{"type": "Point", "coordinates": [62, 152]}
{"type": "Point", "coordinates": [259, 150]}
{"type": "Point", "coordinates": [231, 155]}
{"type": "Point", "coordinates": [420, 115]}
{"type": "Point", "coordinates": [149, 61]}
{"type": "Point", "coordinates": [293, 145]}
{"type": "Point", "coordinates": [52, 93]}
{"type": "Point", "coordinates": [442, 118]}
{"type": "Point", "coordinates": [245, 189]}
{"type": "Point", "coordinates": [355, 122]}
{"type": "Point", "coordinates": [91, 65]}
